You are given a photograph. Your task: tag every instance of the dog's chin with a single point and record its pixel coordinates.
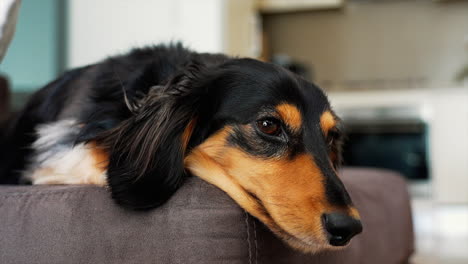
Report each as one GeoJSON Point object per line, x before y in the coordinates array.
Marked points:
{"type": "Point", "coordinates": [306, 245]}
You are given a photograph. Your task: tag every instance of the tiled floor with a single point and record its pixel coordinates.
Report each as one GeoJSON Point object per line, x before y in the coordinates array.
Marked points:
{"type": "Point", "coordinates": [441, 233]}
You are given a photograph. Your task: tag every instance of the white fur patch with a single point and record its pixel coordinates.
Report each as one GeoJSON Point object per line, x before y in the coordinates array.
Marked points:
{"type": "Point", "coordinates": [56, 160]}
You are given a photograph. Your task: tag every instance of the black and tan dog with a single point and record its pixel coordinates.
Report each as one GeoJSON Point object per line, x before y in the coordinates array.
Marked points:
{"type": "Point", "coordinates": [140, 123]}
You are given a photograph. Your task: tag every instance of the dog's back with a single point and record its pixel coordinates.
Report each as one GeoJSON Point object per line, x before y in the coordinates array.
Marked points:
{"type": "Point", "coordinates": [94, 96]}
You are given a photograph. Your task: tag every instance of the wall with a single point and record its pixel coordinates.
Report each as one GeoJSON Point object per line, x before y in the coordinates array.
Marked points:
{"type": "Point", "coordinates": [55, 35]}
{"type": "Point", "coordinates": [33, 58]}
{"type": "Point", "coordinates": [397, 43]}
{"type": "Point", "coordinates": [101, 28]}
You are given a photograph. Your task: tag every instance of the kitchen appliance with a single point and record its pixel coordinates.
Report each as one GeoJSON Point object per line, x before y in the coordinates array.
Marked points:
{"type": "Point", "coordinates": [394, 138]}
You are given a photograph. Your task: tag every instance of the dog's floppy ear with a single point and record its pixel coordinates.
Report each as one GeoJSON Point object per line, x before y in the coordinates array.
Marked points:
{"type": "Point", "coordinates": [146, 151]}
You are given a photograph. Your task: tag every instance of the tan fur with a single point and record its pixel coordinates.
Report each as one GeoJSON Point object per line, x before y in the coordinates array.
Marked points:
{"type": "Point", "coordinates": [290, 115]}
{"type": "Point", "coordinates": [188, 133]}
{"type": "Point", "coordinates": [82, 164]}
{"type": "Point", "coordinates": [354, 213]}
{"type": "Point", "coordinates": [287, 195]}
{"type": "Point", "coordinates": [327, 121]}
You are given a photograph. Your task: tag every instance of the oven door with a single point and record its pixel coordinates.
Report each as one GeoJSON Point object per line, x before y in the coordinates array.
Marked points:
{"type": "Point", "coordinates": [396, 144]}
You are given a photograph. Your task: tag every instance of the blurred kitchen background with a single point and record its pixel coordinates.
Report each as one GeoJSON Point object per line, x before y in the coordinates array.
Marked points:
{"type": "Point", "coordinates": [396, 71]}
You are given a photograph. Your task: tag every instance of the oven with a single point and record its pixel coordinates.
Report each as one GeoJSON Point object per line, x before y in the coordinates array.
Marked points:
{"type": "Point", "coordinates": [394, 138]}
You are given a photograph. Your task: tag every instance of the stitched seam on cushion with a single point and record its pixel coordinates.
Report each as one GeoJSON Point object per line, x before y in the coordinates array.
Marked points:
{"type": "Point", "coordinates": [255, 239]}
{"type": "Point", "coordinates": [248, 237]}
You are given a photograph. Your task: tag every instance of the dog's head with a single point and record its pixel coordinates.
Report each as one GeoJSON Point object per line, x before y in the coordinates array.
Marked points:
{"type": "Point", "coordinates": [265, 136]}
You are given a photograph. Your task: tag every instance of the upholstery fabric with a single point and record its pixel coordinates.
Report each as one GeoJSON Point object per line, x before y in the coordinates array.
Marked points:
{"type": "Point", "coordinates": [199, 224]}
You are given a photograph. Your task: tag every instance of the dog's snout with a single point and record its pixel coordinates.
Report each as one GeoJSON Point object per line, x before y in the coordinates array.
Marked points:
{"type": "Point", "coordinates": [340, 228]}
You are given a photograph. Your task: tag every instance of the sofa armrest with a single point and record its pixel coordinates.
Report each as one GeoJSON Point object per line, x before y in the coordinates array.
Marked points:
{"type": "Point", "coordinates": [199, 224]}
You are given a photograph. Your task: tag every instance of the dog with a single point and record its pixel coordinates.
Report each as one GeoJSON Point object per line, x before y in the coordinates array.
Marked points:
{"type": "Point", "coordinates": [141, 123]}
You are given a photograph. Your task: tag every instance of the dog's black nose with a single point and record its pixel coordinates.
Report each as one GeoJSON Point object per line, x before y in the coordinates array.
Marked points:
{"type": "Point", "coordinates": [341, 228]}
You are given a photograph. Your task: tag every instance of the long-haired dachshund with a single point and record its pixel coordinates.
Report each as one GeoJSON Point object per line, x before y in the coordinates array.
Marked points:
{"type": "Point", "coordinates": [142, 122]}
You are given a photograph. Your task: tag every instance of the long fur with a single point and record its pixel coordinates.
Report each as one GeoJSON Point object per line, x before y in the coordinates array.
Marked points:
{"type": "Point", "coordinates": [135, 106]}
{"type": "Point", "coordinates": [152, 140]}
{"type": "Point", "coordinates": [138, 106]}
{"type": "Point", "coordinates": [136, 122]}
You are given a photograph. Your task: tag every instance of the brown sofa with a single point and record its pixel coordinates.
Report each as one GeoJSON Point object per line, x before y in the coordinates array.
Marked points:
{"type": "Point", "coordinates": [200, 224]}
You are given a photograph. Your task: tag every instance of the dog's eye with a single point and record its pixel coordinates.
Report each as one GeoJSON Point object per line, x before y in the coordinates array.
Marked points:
{"type": "Point", "coordinates": [270, 127]}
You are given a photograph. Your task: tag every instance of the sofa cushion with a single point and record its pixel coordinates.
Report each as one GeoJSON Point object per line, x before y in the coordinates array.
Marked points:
{"type": "Point", "coordinates": [199, 224]}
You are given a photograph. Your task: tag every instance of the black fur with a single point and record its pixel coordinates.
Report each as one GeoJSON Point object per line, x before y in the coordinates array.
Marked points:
{"type": "Point", "coordinates": [137, 106]}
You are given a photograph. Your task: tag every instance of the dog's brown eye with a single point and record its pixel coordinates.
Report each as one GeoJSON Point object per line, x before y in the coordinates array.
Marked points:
{"type": "Point", "coordinates": [269, 126]}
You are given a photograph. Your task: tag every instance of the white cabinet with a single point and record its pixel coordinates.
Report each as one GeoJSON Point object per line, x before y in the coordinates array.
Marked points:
{"type": "Point", "coordinates": [449, 146]}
